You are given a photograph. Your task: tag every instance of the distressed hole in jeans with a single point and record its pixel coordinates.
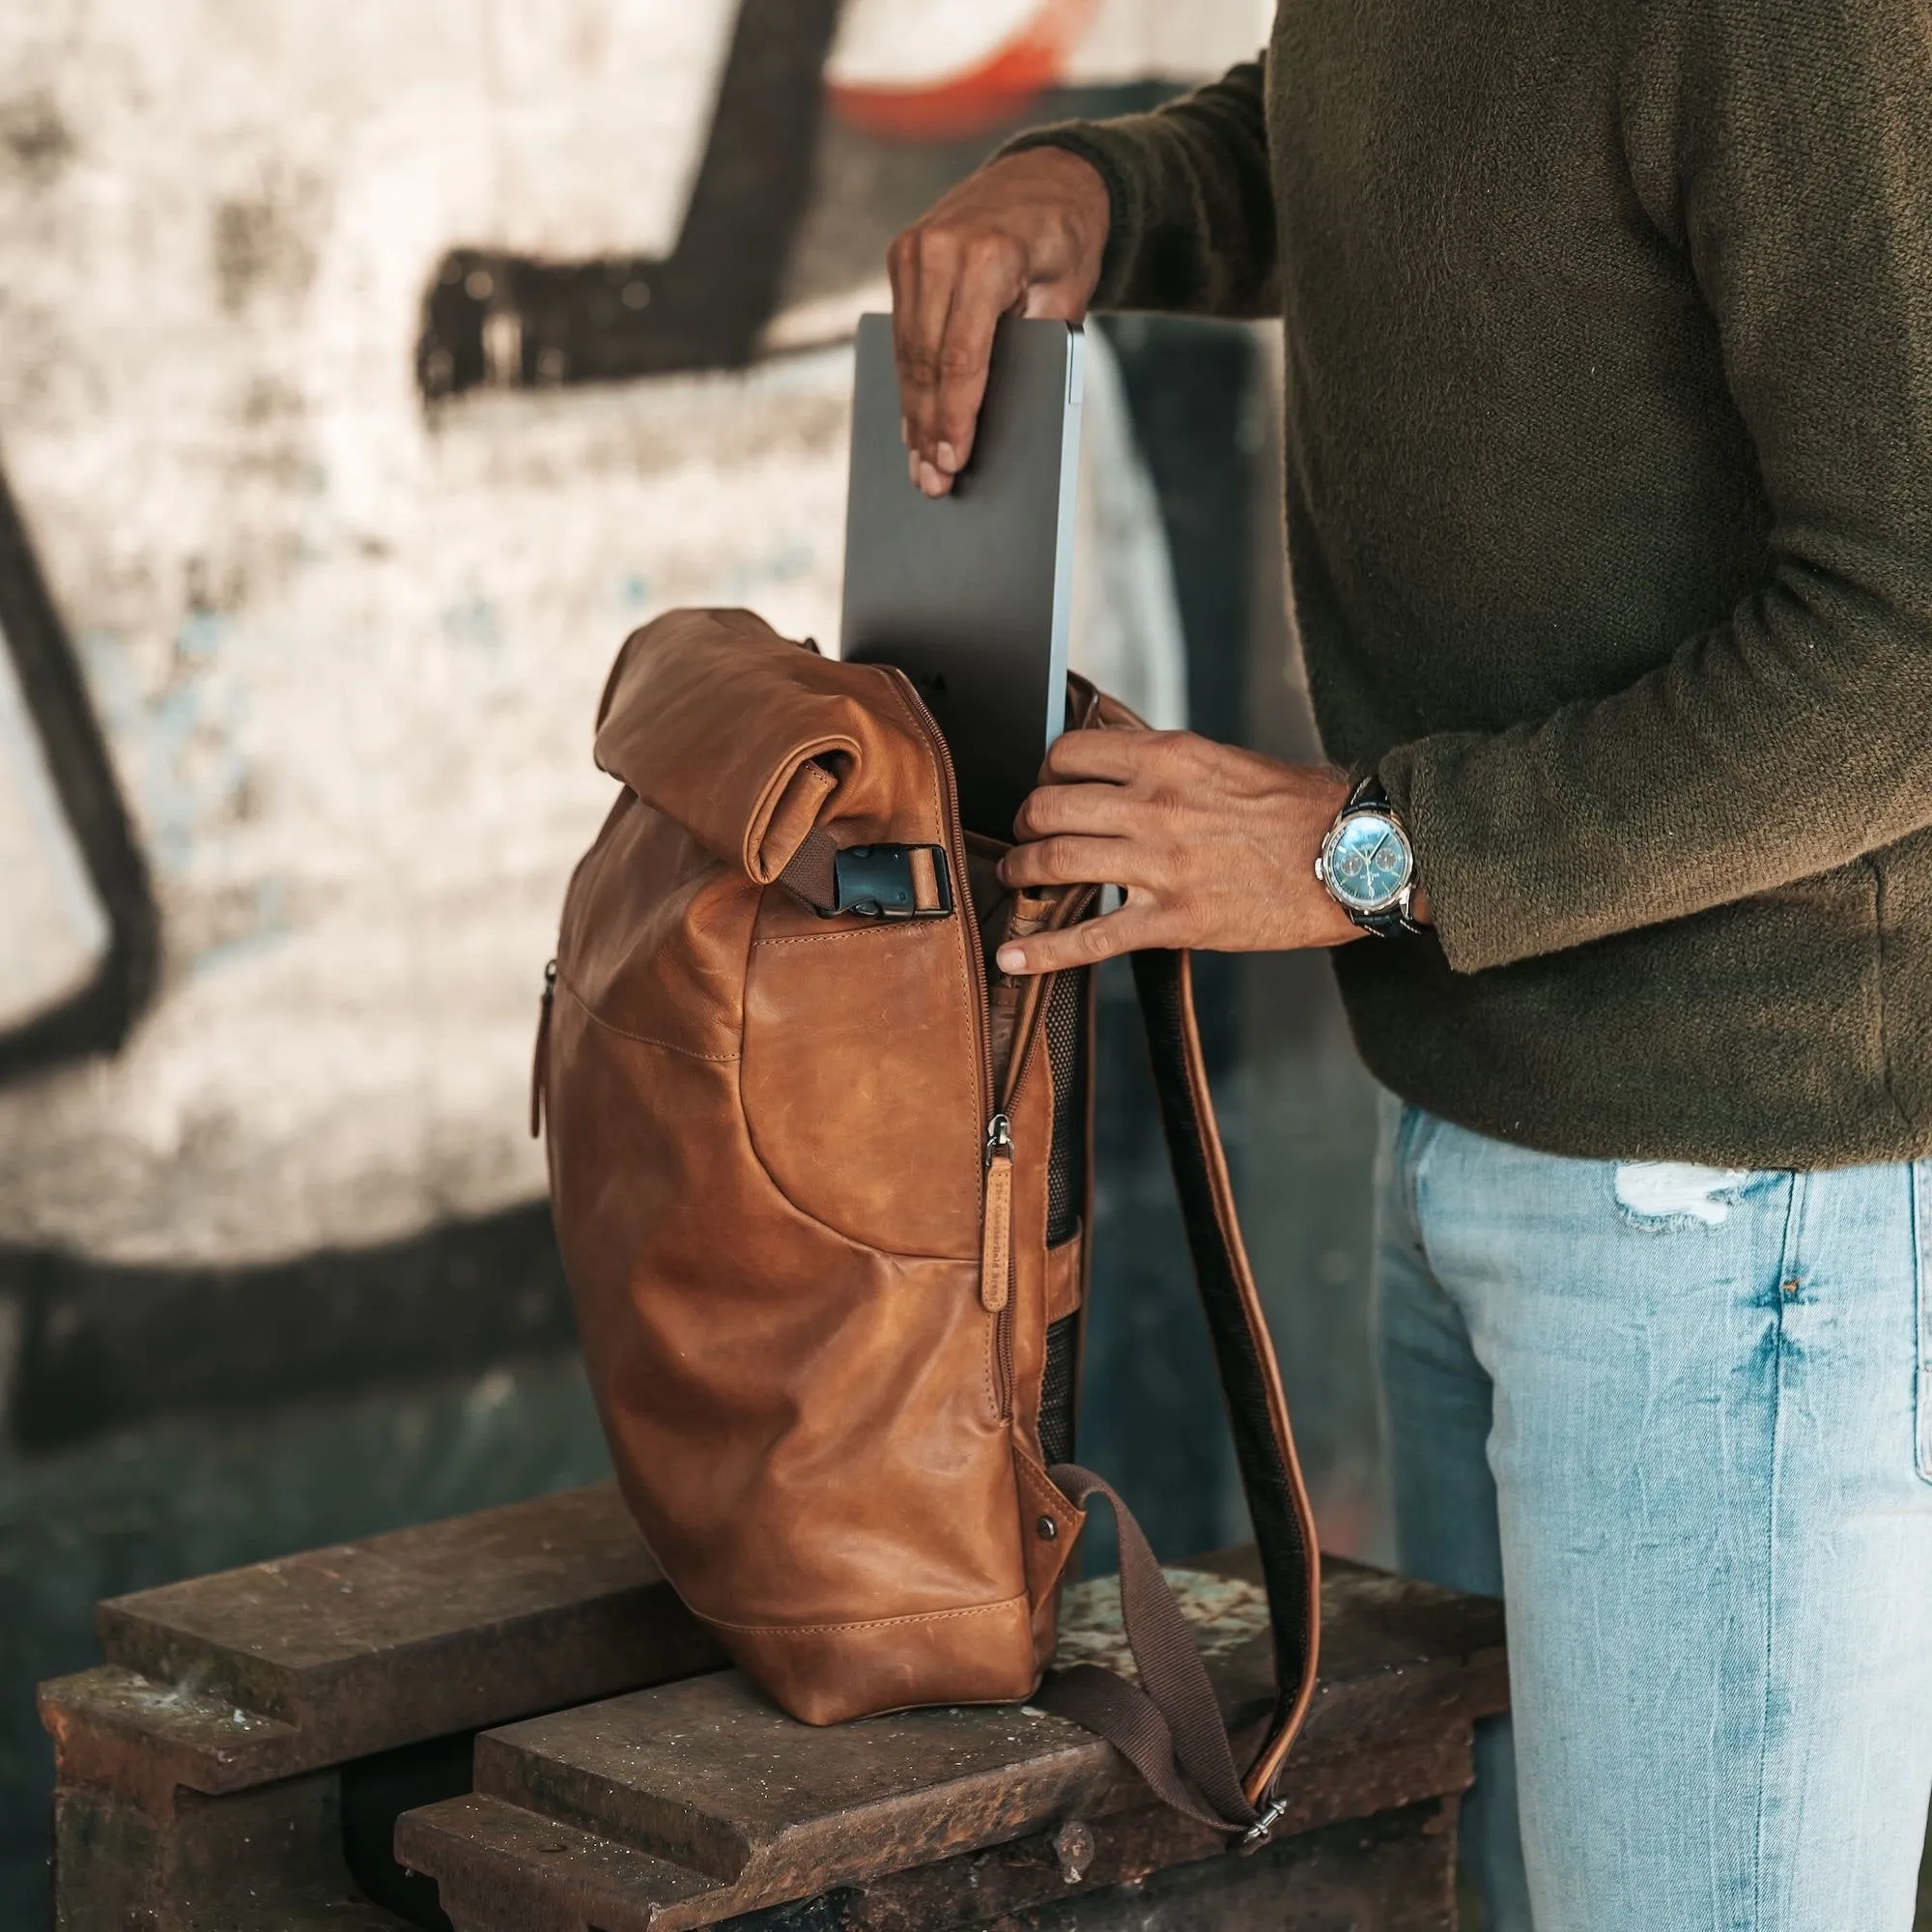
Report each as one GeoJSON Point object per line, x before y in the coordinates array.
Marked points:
{"type": "Point", "coordinates": [1671, 1193]}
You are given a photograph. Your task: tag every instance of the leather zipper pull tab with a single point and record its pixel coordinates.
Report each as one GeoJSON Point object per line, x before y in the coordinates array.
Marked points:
{"type": "Point", "coordinates": [540, 1057]}
{"type": "Point", "coordinates": [996, 1238]}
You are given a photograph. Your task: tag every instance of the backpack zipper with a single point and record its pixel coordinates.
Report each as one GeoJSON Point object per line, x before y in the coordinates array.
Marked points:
{"type": "Point", "coordinates": [996, 1247]}
{"type": "Point", "coordinates": [996, 1261]}
{"type": "Point", "coordinates": [540, 1053]}
{"type": "Point", "coordinates": [996, 1240]}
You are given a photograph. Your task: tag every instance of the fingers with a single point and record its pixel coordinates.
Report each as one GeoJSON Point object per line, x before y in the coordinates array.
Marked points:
{"type": "Point", "coordinates": [990, 282]}
{"type": "Point", "coordinates": [1127, 930]}
{"type": "Point", "coordinates": [921, 299]}
{"type": "Point", "coordinates": [950, 288]}
{"type": "Point", "coordinates": [1104, 810]}
{"type": "Point", "coordinates": [1116, 757]}
{"type": "Point", "coordinates": [1068, 861]}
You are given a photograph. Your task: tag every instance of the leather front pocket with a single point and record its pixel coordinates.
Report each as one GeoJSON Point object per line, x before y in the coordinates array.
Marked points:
{"type": "Point", "coordinates": [860, 1077]}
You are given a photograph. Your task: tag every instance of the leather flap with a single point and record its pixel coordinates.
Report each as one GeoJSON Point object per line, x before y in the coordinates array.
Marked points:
{"type": "Point", "coordinates": [1065, 1277]}
{"type": "Point", "coordinates": [742, 736]}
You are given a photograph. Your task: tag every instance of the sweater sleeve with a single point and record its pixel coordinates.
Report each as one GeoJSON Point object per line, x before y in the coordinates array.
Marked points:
{"type": "Point", "coordinates": [1784, 148]}
{"type": "Point", "coordinates": [1193, 203]}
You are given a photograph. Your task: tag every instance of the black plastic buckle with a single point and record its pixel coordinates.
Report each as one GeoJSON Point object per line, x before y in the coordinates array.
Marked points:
{"type": "Point", "coordinates": [875, 882]}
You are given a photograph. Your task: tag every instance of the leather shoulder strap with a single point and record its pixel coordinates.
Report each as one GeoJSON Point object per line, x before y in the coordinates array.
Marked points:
{"type": "Point", "coordinates": [1173, 1730]}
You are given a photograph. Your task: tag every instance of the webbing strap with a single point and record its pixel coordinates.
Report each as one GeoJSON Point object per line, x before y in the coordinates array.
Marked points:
{"type": "Point", "coordinates": [811, 876]}
{"type": "Point", "coordinates": [1173, 1730]}
{"type": "Point", "coordinates": [1170, 1726]}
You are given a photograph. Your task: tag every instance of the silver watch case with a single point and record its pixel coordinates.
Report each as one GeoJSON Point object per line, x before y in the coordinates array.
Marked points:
{"type": "Point", "coordinates": [1397, 903]}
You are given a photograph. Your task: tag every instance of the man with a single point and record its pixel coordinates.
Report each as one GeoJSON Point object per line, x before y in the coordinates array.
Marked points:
{"type": "Point", "coordinates": [1609, 507]}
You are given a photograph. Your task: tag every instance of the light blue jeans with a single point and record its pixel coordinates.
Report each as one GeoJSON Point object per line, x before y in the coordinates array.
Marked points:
{"type": "Point", "coordinates": [1681, 1420]}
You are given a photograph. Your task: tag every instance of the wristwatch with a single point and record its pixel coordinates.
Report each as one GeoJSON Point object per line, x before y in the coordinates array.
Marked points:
{"type": "Point", "coordinates": [1368, 864]}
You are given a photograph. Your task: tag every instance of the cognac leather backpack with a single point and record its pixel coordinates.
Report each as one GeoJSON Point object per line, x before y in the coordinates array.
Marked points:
{"type": "Point", "coordinates": [821, 1178]}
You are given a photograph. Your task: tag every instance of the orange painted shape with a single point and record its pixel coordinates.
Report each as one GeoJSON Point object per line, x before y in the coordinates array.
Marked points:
{"type": "Point", "coordinates": [979, 98]}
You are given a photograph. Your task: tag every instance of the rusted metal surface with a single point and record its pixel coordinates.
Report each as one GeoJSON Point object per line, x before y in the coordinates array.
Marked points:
{"type": "Point", "coordinates": [1394, 1872]}
{"type": "Point", "coordinates": [682, 1805]}
{"type": "Point", "coordinates": [229, 1681]}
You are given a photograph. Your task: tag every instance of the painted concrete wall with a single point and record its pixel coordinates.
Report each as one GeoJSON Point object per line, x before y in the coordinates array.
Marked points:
{"type": "Point", "coordinates": [315, 545]}
{"type": "Point", "coordinates": [344, 644]}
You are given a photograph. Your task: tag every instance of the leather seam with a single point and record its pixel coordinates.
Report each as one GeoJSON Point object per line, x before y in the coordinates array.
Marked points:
{"type": "Point", "coordinates": [968, 957]}
{"type": "Point", "coordinates": [941, 819]}
{"type": "Point", "coordinates": [777, 1187]}
{"type": "Point", "coordinates": [865, 1623]}
{"type": "Point", "coordinates": [1041, 1485]}
{"type": "Point", "coordinates": [597, 1019]}
{"type": "Point", "coordinates": [872, 931]}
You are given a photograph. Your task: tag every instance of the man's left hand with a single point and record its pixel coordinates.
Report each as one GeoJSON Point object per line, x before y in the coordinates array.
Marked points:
{"type": "Point", "coordinates": [1215, 848]}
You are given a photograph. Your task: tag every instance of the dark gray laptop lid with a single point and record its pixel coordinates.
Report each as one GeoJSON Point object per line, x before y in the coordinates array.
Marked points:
{"type": "Point", "coordinates": [970, 594]}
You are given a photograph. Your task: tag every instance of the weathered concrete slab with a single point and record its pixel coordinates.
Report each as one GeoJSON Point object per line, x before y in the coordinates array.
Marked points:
{"type": "Point", "coordinates": [685, 1805]}
{"type": "Point", "coordinates": [230, 1681]}
{"type": "Point", "coordinates": [1394, 1872]}
{"type": "Point", "coordinates": [267, 1860]}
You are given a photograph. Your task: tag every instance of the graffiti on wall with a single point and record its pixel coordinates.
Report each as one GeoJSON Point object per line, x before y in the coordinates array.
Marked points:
{"type": "Point", "coordinates": [373, 370]}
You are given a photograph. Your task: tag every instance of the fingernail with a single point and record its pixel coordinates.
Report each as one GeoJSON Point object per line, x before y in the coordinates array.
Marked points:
{"type": "Point", "coordinates": [948, 457]}
{"type": "Point", "coordinates": [912, 468]}
{"type": "Point", "coordinates": [905, 431]}
{"type": "Point", "coordinates": [931, 480]}
{"type": "Point", "coordinates": [1012, 959]}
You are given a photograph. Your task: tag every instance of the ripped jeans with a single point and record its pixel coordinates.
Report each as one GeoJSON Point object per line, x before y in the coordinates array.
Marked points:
{"type": "Point", "coordinates": [1681, 1419]}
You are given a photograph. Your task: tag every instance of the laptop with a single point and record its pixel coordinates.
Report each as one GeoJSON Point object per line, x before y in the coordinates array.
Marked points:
{"type": "Point", "coordinates": [969, 594]}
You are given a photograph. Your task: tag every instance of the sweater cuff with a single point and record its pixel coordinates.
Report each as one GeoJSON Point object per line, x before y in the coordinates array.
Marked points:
{"type": "Point", "coordinates": [1477, 899]}
{"type": "Point", "coordinates": [1110, 155]}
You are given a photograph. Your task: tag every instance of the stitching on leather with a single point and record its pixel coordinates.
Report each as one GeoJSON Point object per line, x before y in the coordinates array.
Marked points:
{"type": "Point", "coordinates": [597, 1019]}
{"type": "Point", "coordinates": [993, 1407]}
{"type": "Point", "coordinates": [872, 931]}
{"type": "Point", "coordinates": [865, 1623]}
{"type": "Point", "coordinates": [844, 1236]}
{"type": "Point", "coordinates": [1041, 1483]}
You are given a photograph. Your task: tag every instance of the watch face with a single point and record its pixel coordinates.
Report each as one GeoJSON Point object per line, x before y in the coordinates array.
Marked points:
{"type": "Point", "coordinates": [1367, 861]}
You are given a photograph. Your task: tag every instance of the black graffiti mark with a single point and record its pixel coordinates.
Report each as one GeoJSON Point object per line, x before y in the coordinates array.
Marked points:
{"type": "Point", "coordinates": [507, 320]}
{"type": "Point", "coordinates": [96, 1019]}
{"type": "Point", "coordinates": [106, 1345]}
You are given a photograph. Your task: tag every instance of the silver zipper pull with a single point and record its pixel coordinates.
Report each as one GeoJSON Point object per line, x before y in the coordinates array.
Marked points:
{"type": "Point", "coordinates": [999, 1139]}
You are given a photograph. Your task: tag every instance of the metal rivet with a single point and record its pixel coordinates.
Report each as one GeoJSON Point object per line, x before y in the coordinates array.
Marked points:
{"type": "Point", "coordinates": [1791, 1288]}
{"type": "Point", "coordinates": [1046, 1529]}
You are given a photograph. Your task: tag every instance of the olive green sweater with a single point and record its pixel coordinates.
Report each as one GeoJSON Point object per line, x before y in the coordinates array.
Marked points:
{"type": "Point", "coordinates": [1609, 505]}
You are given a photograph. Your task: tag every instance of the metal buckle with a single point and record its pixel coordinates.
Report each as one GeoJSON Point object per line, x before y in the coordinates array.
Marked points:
{"type": "Point", "coordinates": [1257, 1834]}
{"type": "Point", "coordinates": [875, 882]}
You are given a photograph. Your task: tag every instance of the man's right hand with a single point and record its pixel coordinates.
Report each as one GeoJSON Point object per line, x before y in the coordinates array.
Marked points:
{"type": "Point", "coordinates": [1022, 237]}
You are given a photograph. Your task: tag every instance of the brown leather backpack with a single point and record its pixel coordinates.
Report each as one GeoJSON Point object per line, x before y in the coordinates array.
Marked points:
{"type": "Point", "coordinates": [821, 1180]}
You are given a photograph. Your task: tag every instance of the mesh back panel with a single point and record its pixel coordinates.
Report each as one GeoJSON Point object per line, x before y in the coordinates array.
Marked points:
{"type": "Point", "coordinates": [1065, 1192]}
{"type": "Point", "coordinates": [1056, 1390]}
{"type": "Point", "coordinates": [1067, 1165]}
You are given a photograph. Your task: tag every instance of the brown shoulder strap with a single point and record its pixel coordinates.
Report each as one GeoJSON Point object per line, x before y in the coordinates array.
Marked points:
{"type": "Point", "coordinates": [1173, 1730]}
